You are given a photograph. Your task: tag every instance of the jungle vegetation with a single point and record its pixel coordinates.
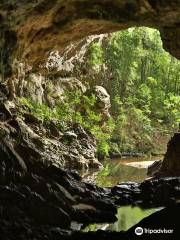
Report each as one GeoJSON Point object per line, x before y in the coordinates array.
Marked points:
{"type": "Point", "coordinates": [143, 81]}
{"type": "Point", "coordinates": [144, 84]}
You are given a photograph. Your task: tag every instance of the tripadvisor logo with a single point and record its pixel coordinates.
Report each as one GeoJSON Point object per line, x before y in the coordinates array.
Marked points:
{"type": "Point", "coordinates": [138, 231]}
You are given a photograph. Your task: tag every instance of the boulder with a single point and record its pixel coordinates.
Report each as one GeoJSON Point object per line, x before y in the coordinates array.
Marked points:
{"type": "Point", "coordinates": [54, 131]}
{"type": "Point", "coordinates": [54, 91]}
{"type": "Point", "coordinates": [71, 84]}
{"type": "Point", "coordinates": [171, 163]}
{"type": "Point", "coordinates": [103, 103]}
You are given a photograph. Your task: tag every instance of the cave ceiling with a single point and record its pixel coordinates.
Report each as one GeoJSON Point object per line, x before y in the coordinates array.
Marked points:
{"type": "Point", "coordinates": [41, 26]}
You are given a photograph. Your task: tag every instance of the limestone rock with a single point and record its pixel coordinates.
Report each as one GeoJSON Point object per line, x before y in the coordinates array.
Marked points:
{"type": "Point", "coordinates": [33, 87]}
{"type": "Point", "coordinates": [71, 84]}
{"type": "Point", "coordinates": [69, 136]}
{"type": "Point", "coordinates": [30, 139]}
{"type": "Point", "coordinates": [103, 103]}
{"type": "Point", "coordinates": [171, 163]}
{"type": "Point", "coordinates": [44, 25]}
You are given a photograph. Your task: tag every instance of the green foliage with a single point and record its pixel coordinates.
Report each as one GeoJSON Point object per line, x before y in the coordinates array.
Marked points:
{"type": "Point", "coordinates": [172, 107]}
{"type": "Point", "coordinates": [76, 108]}
{"type": "Point", "coordinates": [90, 228]}
{"type": "Point", "coordinates": [41, 111]}
{"type": "Point", "coordinates": [103, 148]}
{"type": "Point", "coordinates": [105, 171]}
{"type": "Point", "coordinates": [144, 83]}
{"type": "Point", "coordinates": [103, 135]}
{"type": "Point", "coordinates": [96, 56]}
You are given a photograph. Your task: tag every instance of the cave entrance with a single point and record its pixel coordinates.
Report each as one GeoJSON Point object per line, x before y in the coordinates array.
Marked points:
{"type": "Point", "coordinates": [108, 100]}
{"type": "Point", "coordinates": [130, 87]}
{"type": "Point", "coordinates": [142, 80]}
{"type": "Point", "coordinates": [122, 88]}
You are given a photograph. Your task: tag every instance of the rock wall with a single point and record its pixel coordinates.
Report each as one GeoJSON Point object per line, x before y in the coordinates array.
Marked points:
{"type": "Point", "coordinates": [26, 137]}
{"type": "Point", "coordinates": [46, 202]}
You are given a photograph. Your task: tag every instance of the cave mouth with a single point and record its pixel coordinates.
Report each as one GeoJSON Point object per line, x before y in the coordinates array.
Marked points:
{"type": "Point", "coordinates": [121, 87]}
{"type": "Point", "coordinates": [105, 97]}
{"type": "Point", "coordinates": [58, 113]}
{"type": "Point", "coordinates": [142, 81]}
{"type": "Point", "coordinates": [127, 64]}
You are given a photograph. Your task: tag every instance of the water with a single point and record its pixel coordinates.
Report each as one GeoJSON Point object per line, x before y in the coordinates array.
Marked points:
{"type": "Point", "coordinates": [116, 171]}
{"type": "Point", "coordinates": [127, 217]}
{"type": "Point", "coordinates": [119, 170]}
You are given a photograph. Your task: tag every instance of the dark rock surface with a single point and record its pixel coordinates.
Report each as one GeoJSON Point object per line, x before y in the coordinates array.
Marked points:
{"type": "Point", "coordinates": [148, 194]}
{"type": "Point", "coordinates": [26, 137]}
{"type": "Point", "coordinates": [44, 198]}
{"type": "Point", "coordinates": [165, 219]}
{"type": "Point", "coordinates": [170, 166]}
{"type": "Point", "coordinates": [154, 168]}
{"type": "Point", "coordinates": [171, 163]}
{"type": "Point", "coordinates": [42, 206]}
{"type": "Point", "coordinates": [159, 221]}
{"type": "Point", "coordinates": [40, 200]}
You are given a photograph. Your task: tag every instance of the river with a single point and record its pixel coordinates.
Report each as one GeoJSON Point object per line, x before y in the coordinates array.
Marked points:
{"type": "Point", "coordinates": [117, 171]}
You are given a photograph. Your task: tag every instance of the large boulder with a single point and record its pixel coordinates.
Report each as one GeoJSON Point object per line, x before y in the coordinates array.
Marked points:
{"type": "Point", "coordinates": [171, 163]}
{"type": "Point", "coordinates": [103, 103]}
{"type": "Point", "coordinates": [80, 149]}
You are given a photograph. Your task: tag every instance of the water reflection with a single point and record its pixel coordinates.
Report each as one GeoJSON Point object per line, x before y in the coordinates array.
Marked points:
{"type": "Point", "coordinates": [113, 173]}
{"type": "Point", "coordinates": [116, 171]}
{"type": "Point", "coordinates": [129, 216]}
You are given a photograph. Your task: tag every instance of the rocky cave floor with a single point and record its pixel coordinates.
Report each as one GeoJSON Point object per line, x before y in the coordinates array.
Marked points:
{"type": "Point", "coordinates": [40, 200]}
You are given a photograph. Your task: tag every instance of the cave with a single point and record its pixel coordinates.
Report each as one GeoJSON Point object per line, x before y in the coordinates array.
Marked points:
{"type": "Point", "coordinates": [43, 192]}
